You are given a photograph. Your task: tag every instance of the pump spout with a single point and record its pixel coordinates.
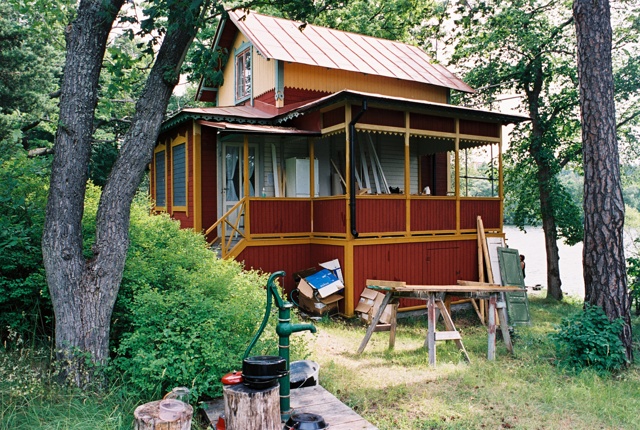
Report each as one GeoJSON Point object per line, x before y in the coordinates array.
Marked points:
{"type": "Point", "coordinates": [285, 329]}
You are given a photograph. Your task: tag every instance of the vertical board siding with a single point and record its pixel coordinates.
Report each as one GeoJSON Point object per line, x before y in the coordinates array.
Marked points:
{"type": "Point", "coordinates": [430, 214]}
{"type": "Point", "coordinates": [377, 116]}
{"type": "Point", "coordinates": [280, 216]}
{"type": "Point", "coordinates": [427, 263]}
{"type": "Point", "coordinates": [489, 210]}
{"type": "Point", "coordinates": [290, 258]}
{"type": "Point", "coordinates": [329, 216]}
{"type": "Point", "coordinates": [380, 215]}
{"type": "Point", "coordinates": [420, 121]}
{"type": "Point", "coordinates": [209, 172]}
{"type": "Point", "coordinates": [333, 117]}
{"type": "Point", "coordinates": [479, 128]}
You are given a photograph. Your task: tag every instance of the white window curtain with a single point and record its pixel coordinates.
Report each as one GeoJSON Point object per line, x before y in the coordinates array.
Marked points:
{"type": "Point", "coordinates": [232, 164]}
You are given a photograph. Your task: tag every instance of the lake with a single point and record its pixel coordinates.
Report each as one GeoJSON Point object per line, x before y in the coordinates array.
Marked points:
{"type": "Point", "coordinates": [531, 245]}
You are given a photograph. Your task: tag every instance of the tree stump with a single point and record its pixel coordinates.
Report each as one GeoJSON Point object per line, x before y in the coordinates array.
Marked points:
{"type": "Point", "coordinates": [249, 409]}
{"type": "Point", "coordinates": [147, 417]}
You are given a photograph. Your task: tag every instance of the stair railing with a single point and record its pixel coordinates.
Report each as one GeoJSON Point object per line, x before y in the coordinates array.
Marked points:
{"type": "Point", "coordinates": [226, 224]}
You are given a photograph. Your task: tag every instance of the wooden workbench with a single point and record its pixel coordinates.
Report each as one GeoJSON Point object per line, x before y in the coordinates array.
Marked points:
{"type": "Point", "coordinates": [433, 294]}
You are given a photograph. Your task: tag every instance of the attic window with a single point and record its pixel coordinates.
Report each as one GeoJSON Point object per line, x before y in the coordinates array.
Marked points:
{"type": "Point", "coordinates": [243, 74]}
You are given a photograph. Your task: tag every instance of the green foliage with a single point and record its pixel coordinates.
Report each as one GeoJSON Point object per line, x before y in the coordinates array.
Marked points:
{"type": "Point", "coordinates": [633, 276]}
{"type": "Point", "coordinates": [183, 316]}
{"type": "Point", "coordinates": [589, 340]}
{"type": "Point", "coordinates": [24, 303]}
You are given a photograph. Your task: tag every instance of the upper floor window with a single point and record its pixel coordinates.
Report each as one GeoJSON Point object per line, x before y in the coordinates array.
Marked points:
{"type": "Point", "coordinates": [243, 74]}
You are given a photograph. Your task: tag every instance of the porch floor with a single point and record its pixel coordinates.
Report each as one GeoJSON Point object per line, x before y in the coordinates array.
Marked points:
{"type": "Point", "coordinates": [311, 400]}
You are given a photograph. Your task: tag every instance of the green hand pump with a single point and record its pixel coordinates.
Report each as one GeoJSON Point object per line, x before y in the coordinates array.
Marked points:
{"type": "Point", "coordinates": [284, 329]}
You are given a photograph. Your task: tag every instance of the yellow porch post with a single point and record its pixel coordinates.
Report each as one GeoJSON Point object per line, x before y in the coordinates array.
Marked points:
{"type": "Point", "coordinates": [245, 184]}
{"type": "Point", "coordinates": [407, 175]}
{"type": "Point", "coordinates": [500, 180]}
{"type": "Point", "coordinates": [348, 273]}
{"type": "Point", "coordinates": [457, 178]}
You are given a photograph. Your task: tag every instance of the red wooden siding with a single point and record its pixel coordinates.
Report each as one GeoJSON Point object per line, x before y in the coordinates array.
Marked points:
{"type": "Point", "coordinates": [429, 214]}
{"type": "Point", "coordinates": [489, 210]}
{"type": "Point", "coordinates": [377, 116]}
{"type": "Point", "coordinates": [329, 216]}
{"type": "Point", "coordinates": [479, 128]}
{"type": "Point", "coordinates": [333, 117]}
{"type": "Point", "coordinates": [185, 221]}
{"type": "Point", "coordinates": [290, 258]}
{"type": "Point", "coordinates": [427, 263]}
{"type": "Point", "coordinates": [209, 184]}
{"type": "Point", "coordinates": [380, 215]}
{"type": "Point", "coordinates": [280, 216]}
{"type": "Point", "coordinates": [432, 123]}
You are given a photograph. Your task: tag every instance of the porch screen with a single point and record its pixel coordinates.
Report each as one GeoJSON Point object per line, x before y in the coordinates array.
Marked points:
{"type": "Point", "coordinates": [179, 176]}
{"type": "Point", "coordinates": [160, 170]}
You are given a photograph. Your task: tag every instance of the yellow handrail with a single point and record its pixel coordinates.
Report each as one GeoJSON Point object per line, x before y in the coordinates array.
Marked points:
{"type": "Point", "coordinates": [225, 242]}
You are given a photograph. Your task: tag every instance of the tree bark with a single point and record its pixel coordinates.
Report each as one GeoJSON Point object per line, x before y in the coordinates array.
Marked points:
{"type": "Point", "coordinates": [82, 322]}
{"type": "Point", "coordinates": [84, 290]}
{"type": "Point", "coordinates": [603, 255]}
{"type": "Point", "coordinates": [544, 176]}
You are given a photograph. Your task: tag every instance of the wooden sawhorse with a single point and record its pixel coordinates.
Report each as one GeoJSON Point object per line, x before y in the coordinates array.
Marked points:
{"type": "Point", "coordinates": [395, 290]}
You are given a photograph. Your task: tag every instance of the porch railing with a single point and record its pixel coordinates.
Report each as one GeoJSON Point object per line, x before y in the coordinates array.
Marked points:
{"type": "Point", "coordinates": [231, 231]}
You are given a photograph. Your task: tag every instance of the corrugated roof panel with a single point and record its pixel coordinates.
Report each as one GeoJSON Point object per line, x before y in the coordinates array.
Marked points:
{"type": "Point", "coordinates": [283, 40]}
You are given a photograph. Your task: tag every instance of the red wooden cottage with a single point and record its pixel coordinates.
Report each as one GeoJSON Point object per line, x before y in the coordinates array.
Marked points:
{"type": "Point", "coordinates": [395, 185]}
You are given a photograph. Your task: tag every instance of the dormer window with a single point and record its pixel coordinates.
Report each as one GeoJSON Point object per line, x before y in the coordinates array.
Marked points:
{"type": "Point", "coordinates": [243, 74]}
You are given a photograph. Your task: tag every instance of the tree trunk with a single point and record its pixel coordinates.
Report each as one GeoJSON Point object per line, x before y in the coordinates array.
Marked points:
{"type": "Point", "coordinates": [603, 255]}
{"type": "Point", "coordinates": [554, 283]}
{"type": "Point", "coordinates": [251, 409]}
{"type": "Point", "coordinates": [80, 303]}
{"type": "Point", "coordinates": [84, 290]}
{"type": "Point", "coordinates": [544, 176]}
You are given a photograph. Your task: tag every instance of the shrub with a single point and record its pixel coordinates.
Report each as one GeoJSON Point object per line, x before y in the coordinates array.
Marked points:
{"type": "Point", "coordinates": [589, 339]}
{"type": "Point", "coordinates": [24, 302]}
{"type": "Point", "coordinates": [183, 316]}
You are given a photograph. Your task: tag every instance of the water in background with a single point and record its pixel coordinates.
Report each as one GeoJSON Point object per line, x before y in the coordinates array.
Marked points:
{"type": "Point", "coordinates": [531, 244]}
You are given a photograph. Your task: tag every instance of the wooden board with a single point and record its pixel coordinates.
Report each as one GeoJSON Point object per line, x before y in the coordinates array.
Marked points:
{"type": "Point", "coordinates": [317, 400]}
{"type": "Point", "coordinates": [485, 288]}
{"type": "Point", "coordinates": [312, 400]}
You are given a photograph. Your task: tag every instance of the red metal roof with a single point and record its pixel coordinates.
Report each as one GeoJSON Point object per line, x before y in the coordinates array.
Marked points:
{"type": "Point", "coordinates": [284, 40]}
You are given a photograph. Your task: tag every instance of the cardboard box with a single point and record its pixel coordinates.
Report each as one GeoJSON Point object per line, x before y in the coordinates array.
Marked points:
{"type": "Point", "coordinates": [310, 301]}
{"type": "Point", "coordinates": [320, 307]}
{"type": "Point", "coordinates": [324, 282]}
{"type": "Point", "coordinates": [369, 304]}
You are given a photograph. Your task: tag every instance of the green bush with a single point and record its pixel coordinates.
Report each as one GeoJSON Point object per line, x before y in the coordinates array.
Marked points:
{"type": "Point", "coordinates": [589, 339]}
{"type": "Point", "coordinates": [24, 303]}
{"type": "Point", "coordinates": [183, 316]}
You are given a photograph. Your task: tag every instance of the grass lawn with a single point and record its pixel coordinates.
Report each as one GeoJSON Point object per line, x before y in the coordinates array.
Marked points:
{"type": "Point", "coordinates": [393, 389]}
{"type": "Point", "coordinates": [396, 389]}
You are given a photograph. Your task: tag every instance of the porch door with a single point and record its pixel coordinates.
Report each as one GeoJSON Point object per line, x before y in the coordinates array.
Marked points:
{"type": "Point", "coordinates": [233, 174]}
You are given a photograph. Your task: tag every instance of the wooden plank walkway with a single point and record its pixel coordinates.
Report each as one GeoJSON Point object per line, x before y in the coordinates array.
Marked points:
{"type": "Point", "coordinates": [311, 400]}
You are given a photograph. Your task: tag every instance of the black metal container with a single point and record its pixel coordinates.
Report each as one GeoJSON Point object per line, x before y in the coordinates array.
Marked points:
{"type": "Point", "coordinates": [305, 422]}
{"type": "Point", "coordinates": [263, 371]}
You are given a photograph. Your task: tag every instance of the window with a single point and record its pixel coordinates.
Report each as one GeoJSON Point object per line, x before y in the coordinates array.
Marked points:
{"type": "Point", "coordinates": [160, 177]}
{"type": "Point", "coordinates": [179, 176]}
{"type": "Point", "coordinates": [243, 74]}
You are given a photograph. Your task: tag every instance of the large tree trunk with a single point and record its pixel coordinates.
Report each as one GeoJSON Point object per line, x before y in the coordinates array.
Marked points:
{"type": "Point", "coordinates": [603, 255]}
{"type": "Point", "coordinates": [84, 290]}
{"type": "Point", "coordinates": [80, 303]}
